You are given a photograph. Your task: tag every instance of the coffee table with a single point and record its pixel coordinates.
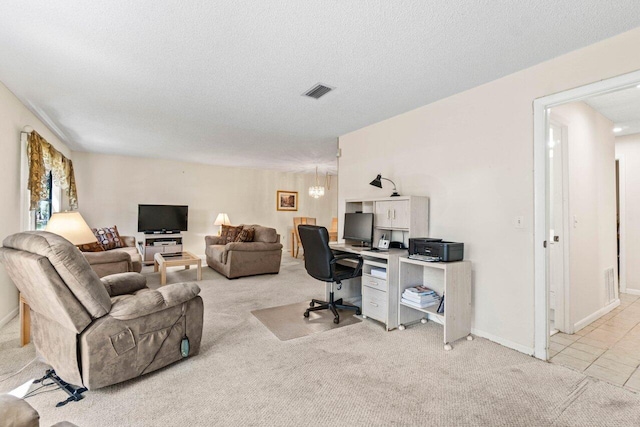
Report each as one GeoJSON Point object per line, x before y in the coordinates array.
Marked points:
{"type": "Point", "coordinates": [186, 259]}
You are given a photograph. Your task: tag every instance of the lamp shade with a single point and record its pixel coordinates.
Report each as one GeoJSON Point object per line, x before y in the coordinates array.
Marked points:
{"type": "Point", "coordinates": [222, 219]}
{"type": "Point", "coordinates": [377, 182]}
{"type": "Point", "coordinates": [72, 227]}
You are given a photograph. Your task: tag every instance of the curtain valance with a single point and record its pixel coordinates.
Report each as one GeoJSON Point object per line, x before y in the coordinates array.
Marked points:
{"type": "Point", "coordinates": [43, 157]}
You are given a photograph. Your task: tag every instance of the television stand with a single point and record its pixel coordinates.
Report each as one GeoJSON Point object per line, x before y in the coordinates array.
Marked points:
{"type": "Point", "coordinates": [164, 243]}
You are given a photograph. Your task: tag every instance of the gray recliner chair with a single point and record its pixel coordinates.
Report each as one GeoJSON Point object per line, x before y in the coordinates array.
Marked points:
{"type": "Point", "coordinates": [97, 332]}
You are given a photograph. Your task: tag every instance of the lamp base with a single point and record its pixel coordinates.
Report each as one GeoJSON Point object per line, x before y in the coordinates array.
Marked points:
{"type": "Point", "coordinates": [395, 194]}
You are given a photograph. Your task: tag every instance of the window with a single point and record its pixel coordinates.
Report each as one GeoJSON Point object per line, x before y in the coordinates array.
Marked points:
{"type": "Point", "coordinates": [57, 172]}
{"type": "Point", "coordinates": [44, 209]}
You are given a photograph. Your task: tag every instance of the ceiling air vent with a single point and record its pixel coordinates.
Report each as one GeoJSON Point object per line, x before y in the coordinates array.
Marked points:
{"type": "Point", "coordinates": [318, 91]}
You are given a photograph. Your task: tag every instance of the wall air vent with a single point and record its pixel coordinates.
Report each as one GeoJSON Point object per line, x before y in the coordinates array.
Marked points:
{"type": "Point", "coordinates": [318, 91]}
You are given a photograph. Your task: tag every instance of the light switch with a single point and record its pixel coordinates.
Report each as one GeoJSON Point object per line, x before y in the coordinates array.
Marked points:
{"type": "Point", "coordinates": [518, 222]}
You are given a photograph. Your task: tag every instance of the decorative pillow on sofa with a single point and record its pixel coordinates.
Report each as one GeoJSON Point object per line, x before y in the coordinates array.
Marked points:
{"type": "Point", "coordinates": [246, 235]}
{"type": "Point", "coordinates": [108, 237]}
{"type": "Point", "coordinates": [91, 247]}
{"type": "Point", "coordinates": [229, 233]}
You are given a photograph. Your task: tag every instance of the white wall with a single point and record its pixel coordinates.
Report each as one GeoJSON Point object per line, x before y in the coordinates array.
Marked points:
{"type": "Point", "coordinates": [14, 116]}
{"type": "Point", "coordinates": [628, 152]}
{"type": "Point", "coordinates": [472, 154]}
{"type": "Point", "coordinates": [111, 187]}
{"type": "Point", "coordinates": [592, 202]}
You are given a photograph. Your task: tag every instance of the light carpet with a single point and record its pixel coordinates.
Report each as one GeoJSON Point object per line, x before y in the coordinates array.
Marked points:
{"type": "Point", "coordinates": [357, 375]}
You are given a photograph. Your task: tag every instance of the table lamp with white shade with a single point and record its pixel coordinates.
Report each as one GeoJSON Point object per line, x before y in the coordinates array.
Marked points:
{"type": "Point", "coordinates": [72, 227]}
{"type": "Point", "coordinates": [221, 219]}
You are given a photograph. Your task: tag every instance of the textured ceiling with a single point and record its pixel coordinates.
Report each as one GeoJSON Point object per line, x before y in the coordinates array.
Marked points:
{"type": "Point", "coordinates": [220, 81]}
{"type": "Point", "coordinates": [622, 107]}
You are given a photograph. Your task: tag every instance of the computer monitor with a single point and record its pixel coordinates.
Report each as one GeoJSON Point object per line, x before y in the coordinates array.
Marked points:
{"type": "Point", "coordinates": [359, 226]}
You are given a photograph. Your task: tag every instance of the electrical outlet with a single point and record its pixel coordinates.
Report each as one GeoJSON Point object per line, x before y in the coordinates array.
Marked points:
{"type": "Point", "coordinates": [518, 222]}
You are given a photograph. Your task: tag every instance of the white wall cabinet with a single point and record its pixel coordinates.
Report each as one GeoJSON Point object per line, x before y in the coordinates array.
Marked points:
{"type": "Point", "coordinates": [392, 214]}
{"type": "Point", "coordinates": [399, 218]}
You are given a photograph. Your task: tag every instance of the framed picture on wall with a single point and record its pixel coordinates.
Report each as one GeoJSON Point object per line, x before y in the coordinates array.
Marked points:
{"type": "Point", "coordinates": [287, 200]}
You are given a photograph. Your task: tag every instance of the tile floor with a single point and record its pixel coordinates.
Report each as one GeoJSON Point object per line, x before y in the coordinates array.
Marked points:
{"type": "Point", "coordinates": [607, 349]}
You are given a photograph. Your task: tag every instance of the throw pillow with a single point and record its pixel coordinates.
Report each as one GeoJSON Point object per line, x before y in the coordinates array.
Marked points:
{"type": "Point", "coordinates": [229, 233]}
{"type": "Point", "coordinates": [91, 247]}
{"type": "Point", "coordinates": [246, 235]}
{"type": "Point", "coordinates": [108, 237]}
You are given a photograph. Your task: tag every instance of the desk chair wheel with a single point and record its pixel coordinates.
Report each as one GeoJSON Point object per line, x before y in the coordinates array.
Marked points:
{"type": "Point", "coordinates": [306, 314]}
{"type": "Point", "coordinates": [336, 320]}
{"type": "Point", "coordinates": [311, 304]}
{"type": "Point", "coordinates": [358, 312]}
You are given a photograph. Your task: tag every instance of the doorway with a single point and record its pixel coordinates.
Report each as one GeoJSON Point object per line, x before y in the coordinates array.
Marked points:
{"type": "Point", "coordinates": [598, 332]}
{"type": "Point", "coordinates": [543, 201]}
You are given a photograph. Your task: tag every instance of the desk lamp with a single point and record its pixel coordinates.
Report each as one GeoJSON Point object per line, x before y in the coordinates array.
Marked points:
{"type": "Point", "coordinates": [378, 183]}
{"type": "Point", "coordinates": [72, 227]}
{"type": "Point", "coordinates": [221, 219]}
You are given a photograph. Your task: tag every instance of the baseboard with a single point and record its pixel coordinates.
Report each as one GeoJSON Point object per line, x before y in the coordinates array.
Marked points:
{"type": "Point", "coordinates": [594, 316]}
{"type": "Point", "coordinates": [632, 291]}
{"type": "Point", "coordinates": [510, 344]}
{"type": "Point", "coordinates": [13, 313]}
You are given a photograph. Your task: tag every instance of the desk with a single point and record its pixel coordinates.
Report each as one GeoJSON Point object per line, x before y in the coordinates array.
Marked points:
{"type": "Point", "coordinates": [379, 294]}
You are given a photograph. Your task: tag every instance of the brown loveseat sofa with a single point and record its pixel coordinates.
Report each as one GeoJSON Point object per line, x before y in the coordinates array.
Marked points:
{"type": "Point", "coordinates": [238, 259]}
{"type": "Point", "coordinates": [118, 260]}
{"type": "Point", "coordinates": [96, 332]}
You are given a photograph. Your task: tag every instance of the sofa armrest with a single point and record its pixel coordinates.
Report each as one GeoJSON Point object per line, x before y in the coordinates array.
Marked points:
{"type": "Point", "coordinates": [109, 262]}
{"type": "Point", "coordinates": [129, 241]}
{"type": "Point", "coordinates": [252, 246]}
{"type": "Point", "coordinates": [106, 257]}
{"type": "Point", "coordinates": [213, 240]}
{"type": "Point", "coordinates": [124, 283]}
{"type": "Point", "coordinates": [147, 302]}
{"type": "Point", "coordinates": [17, 412]}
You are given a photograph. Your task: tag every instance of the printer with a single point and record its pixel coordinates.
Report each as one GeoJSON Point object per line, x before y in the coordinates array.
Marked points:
{"type": "Point", "coordinates": [430, 249]}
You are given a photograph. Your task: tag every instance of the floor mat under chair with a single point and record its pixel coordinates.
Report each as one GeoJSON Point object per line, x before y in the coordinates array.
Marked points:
{"type": "Point", "coordinates": [287, 322]}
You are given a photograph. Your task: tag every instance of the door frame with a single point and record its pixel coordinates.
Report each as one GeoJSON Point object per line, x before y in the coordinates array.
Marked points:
{"type": "Point", "coordinates": [563, 296]}
{"type": "Point", "coordinates": [541, 254]}
{"type": "Point", "coordinates": [622, 200]}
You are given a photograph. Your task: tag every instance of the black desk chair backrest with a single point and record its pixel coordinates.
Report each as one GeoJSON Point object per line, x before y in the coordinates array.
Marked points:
{"type": "Point", "coordinates": [318, 256]}
{"type": "Point", "coordinates": [322, 264]}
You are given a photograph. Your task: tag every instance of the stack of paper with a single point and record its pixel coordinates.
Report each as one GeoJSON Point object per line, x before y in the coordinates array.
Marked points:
{"type": "Point", "coordinates": [420, 297]}
{"type": "Point", "coordinates": [379, 272]}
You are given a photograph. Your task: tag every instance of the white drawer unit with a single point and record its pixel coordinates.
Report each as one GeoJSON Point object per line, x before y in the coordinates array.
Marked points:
{"type": "Point", "coordinates": [379, 297]}
{"type": "Point", "coordinates": [374, 304]}
{"type": "Point", "coordinates": [374, 282]}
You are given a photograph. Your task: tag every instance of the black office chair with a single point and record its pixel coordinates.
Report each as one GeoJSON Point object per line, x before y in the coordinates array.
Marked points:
{"type": "Point", "coordinates": [322, 264]}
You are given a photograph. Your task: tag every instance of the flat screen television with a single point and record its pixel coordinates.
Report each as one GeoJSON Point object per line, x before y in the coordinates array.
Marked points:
{"type": "Point", "coordinates": [359, 226]}
{"type": "Point", "coordinates": [162, 218]}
